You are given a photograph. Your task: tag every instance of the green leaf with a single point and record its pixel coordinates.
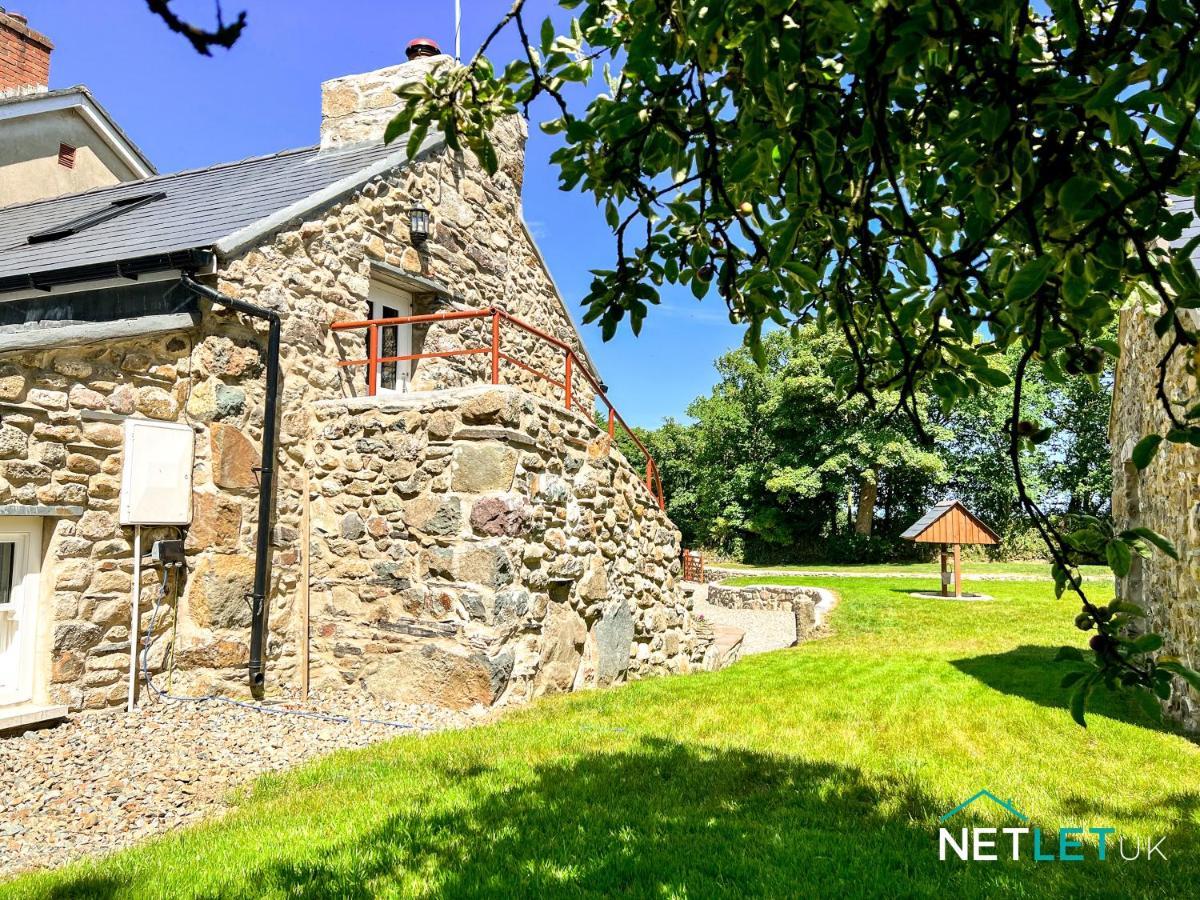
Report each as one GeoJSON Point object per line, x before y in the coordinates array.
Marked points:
{"type": "Point", "coordinates": [1079, 699]}
{"type": "Point", "coordinates": [1153, 537]}
{"type": "Point", "coordinates": [1119, 557]}
{"type": "Point", "coordinates": [992, 377]}
{"type": "Point", "coordinates": [1032, 276]}
{"type": "Point", "coordinates": [415, 138]}
{"type": "Point", "coordinates": [1123, 606]}
{"type": "Point", "coordinates": [1076, 195]}
{"type": "Point", "coordinates": [1187, 674]}
{"type": "Point", "coordinates": [1146, 643]}
{"type": "Point", "coordinates": [1070, 678]}
{"type": "Point", "coordinates": [1144, 451]}
{"type": "Point", "coordinates": [785, 240]}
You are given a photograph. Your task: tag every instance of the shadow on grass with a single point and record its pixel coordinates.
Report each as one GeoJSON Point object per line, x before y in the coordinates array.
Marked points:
{"type": "Point", "coordinates": [1030, 671]}
{"type": "Point", "coordinates": [657, 818]}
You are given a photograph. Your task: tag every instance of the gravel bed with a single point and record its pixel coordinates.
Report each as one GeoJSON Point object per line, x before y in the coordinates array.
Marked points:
{"type": "Point", "coordinates": [766, 629]}
{"type": "Point", "coordinates": [99, 782]}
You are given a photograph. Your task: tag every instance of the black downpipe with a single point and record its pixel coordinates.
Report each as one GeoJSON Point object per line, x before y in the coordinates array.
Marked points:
{"type": "Point", "coordinates": [266, 485]}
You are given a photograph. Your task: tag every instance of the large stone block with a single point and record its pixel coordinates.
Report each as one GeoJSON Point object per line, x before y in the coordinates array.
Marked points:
{"type": "Point", "coordinates": [483, 467]}
{"type": "Point", "coordinates": [561, 650]}
{"type": "Point", "coordinates": [219, 591]}
{"type": "Point", "coordinates": [219, 654]}
{"type": "Point", "coordinates": [75, 636]}
{"type": "Point", "coordinates": [594, 583]}
{"type": "Point", "coordinates": [494, 516]}
{"type": "Point", "coordinates": [606, 658]}
{"type": "Point", "coordinates": [434, 514]}
{"type": "Point", "coordinates": [487, 566]}
{"type": "Point", "coordinates": [13, 442]}
{"type": "Point", "coordinates": [234, 458]}
{"type": "Point", "coordinates": [216, 522]}
{"type": "Point", "coordinates": [430, 671]}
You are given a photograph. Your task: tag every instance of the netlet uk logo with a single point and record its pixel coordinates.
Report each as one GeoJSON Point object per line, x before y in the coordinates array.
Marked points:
{"type": "Point", "coordinates": [1024, 841]}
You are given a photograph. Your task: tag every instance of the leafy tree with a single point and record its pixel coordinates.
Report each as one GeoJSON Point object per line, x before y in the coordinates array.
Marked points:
{"type": "Point", "coordinates": [778, 460]}
{"type": "Point", "coordinates": [1080, 472]}
{"type": "Point", "coordinates": [911, 174]}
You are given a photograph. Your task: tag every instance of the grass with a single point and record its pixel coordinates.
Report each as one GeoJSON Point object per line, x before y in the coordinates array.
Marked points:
{"type": "Point", "coordinates": [816, 771]}
{"type": "Point", "coordinates": [970, 566]}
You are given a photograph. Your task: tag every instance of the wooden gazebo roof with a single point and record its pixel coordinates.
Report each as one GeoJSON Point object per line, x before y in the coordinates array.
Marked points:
{"type": "Point", "coordinates": [949, 522]}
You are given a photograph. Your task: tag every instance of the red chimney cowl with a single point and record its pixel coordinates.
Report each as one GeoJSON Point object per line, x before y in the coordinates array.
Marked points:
{"type": "Point", "coordinates": [422, 46]}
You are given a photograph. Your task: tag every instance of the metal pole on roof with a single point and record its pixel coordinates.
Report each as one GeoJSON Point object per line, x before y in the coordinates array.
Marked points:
{"type": "Point", "coordinates": [458, 30]}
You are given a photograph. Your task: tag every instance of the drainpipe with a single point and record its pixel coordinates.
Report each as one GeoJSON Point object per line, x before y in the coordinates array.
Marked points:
{"type": "Point", "coordinates": [266, 492]}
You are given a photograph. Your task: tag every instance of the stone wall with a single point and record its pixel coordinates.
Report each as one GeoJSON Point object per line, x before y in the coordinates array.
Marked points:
{"type": "Point", "coordinates": [809, 604]}
{"type": "Point", "coordinates": [1163, 497]}
{"type": "Point", "coordinates": [484, 545]}
{"type": "Point", "coordinates": [61, 450]}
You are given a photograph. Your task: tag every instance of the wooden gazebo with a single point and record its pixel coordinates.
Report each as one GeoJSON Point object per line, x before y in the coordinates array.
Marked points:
{"type": "Point", "coordinates": [950, 524]}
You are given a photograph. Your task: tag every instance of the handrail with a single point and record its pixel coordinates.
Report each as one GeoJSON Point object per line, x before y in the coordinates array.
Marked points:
{"type": "Point", "coordinates": [571, 362]}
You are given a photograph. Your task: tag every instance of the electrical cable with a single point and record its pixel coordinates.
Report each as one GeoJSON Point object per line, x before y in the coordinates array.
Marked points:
{"type": "Point", "coordinates": [215, 698]}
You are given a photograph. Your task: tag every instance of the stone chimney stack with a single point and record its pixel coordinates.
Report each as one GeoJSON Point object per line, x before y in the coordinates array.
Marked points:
{"type": "Point", "coordinates": [24, 56]}
{"type": "Point", "coordinates": [356, 108]}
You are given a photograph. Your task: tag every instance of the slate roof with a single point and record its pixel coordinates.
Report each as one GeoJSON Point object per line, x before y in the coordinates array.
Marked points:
{"type": "Point", "coordinates": [932, 514]}
{"type": "Point", "coordinates": [938, 510]}
{"type": "Point", "coordinates": [200, 207]}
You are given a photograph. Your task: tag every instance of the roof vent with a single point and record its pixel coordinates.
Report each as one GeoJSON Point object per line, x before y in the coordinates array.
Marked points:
{"type": "Point", "coordinates": [114, 209]}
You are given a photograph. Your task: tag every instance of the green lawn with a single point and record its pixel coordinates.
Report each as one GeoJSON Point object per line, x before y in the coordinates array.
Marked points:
{"type": "Point", "coordinates": [970, 566]}
{"type": "Point", "coordinates": [816, 771]}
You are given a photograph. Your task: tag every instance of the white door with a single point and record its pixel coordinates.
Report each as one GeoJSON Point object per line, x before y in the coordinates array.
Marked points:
{"type": "Point", "coordinates": [393, 375]}
{"type": "Point", "coordinates": [20, 551]}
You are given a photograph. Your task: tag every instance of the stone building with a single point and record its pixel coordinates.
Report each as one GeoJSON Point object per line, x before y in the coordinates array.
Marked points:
{"type": "Point", "coordinates": [445, 524]}
{"type": "Point", "coordinates": [1165, 496]}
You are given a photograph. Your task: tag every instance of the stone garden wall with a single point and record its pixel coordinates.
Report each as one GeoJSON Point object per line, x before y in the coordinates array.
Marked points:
{"type": "Point", "coordinates": [484, 545]}
{"type": "Point", "coordinates": [1163, 497]}
{"type": "Point", "coordinates": [809, 604]}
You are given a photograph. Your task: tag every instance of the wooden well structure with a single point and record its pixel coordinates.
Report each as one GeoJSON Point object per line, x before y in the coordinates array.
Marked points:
{"type": "Point", "coordinates": [950, 524]}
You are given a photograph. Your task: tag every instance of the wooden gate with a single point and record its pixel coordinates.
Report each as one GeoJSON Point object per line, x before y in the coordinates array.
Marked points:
{"type": "Point", "coordinates": [693, 566]}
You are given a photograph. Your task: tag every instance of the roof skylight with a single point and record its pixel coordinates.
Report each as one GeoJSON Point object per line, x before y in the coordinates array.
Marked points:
{"type": "Point", "coordinates": [111, 211]}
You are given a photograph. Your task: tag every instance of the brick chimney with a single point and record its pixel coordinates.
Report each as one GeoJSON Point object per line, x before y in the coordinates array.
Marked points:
{"type": "Point", "coordinates": [24, 56]}
{"type": "Point", "coordinates": [356, 108]}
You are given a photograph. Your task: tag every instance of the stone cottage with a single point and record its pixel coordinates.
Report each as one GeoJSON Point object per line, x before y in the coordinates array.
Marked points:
{"type": "Point", "coordinates": [422, 509]}
{"type": "Point", "coordinates": [1165, 496]}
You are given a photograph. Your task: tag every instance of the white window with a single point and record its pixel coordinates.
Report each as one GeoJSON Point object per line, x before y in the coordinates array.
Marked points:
{"type": "Point", "coordinates": [392, 375]}
{"type": "Point", "coordinates": [20, 551]}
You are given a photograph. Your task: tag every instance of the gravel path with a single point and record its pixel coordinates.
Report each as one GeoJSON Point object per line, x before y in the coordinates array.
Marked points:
{"type": "Point", "coordinates": [765, 629]}
{"type": "Point", "coordinates": [100, 782]}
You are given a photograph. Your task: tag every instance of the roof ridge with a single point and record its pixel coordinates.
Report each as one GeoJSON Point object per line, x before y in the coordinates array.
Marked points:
{"type": "Point", "coordinates": [163, 177]}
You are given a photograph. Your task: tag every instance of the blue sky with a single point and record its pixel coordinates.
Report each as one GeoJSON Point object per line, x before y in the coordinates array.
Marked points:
{"type": "Point", "coordinates": [184, 111]}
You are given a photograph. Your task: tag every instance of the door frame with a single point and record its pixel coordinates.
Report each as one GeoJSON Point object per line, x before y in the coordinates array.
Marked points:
{"type": "Point", "coordinates": [26, 606]}
{"type": "Point", "coordinates": [381, 296]}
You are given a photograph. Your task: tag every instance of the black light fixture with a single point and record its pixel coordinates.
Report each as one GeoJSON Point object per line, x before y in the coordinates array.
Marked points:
{"type": "Point", "coordinates": [418, 224]}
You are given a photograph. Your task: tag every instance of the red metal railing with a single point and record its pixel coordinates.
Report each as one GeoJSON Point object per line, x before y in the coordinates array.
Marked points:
{"type": "Point", "coordinates": [571, 367]}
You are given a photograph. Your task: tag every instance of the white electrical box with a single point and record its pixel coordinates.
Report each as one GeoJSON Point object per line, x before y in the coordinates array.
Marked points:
{"type": "Point", "coordinates": [156, 478]}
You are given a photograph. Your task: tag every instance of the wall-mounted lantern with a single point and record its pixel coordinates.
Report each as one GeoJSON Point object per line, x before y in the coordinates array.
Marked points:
{"type": "Point", "coordinates": [418, 224]}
